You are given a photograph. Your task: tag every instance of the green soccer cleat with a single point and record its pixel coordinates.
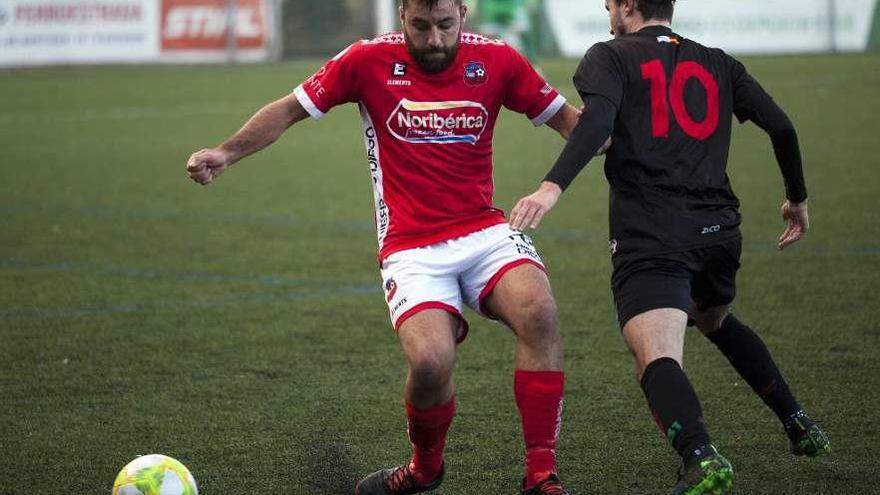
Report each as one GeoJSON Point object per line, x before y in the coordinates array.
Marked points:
{"type": "Point", "coordinates": [805, 436]}
{"type": "Point", "coordinates": [397, 481]}
{"type": "Point", "coordinates": [550, 486]}
{"type": "Point", "coordinates": [707, 473]}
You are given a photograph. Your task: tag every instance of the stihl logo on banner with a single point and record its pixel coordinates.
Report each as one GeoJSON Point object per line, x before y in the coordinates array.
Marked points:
{"type": "Point", "coordinates": [202, 24]}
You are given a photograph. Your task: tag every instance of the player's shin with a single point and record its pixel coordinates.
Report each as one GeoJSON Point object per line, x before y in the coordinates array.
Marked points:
{"type": "Point", "coordinates": [675, 406]}
{"type": "Point", "coordinates": [427, 429]}
{"type": "Point", "coordinates": [539, 397]}
{"type": "Point", "coordinates": [750, 357]}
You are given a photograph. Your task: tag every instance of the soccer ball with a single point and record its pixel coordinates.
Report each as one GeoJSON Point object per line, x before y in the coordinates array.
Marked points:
{"type": "Point", "coordinates": [155, 475]}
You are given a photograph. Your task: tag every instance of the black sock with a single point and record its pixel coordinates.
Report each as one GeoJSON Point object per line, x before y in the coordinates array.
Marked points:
{"type": "Point", "coordinates": [675, 406]}
{"type": "Point", "coordinates": [750, 358]}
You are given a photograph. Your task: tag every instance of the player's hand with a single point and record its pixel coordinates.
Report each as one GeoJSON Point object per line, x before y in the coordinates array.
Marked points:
{"type": "Point", "coordinates": [529, 211]}
{"type": "Point", "coordinates": [206, 165]}
{"type": "Point", "coordinates": [797, 221]}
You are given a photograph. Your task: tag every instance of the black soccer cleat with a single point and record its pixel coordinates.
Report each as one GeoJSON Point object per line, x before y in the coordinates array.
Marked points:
{"type": "Point", "coordinates": [805, 436]}
{"type": "Point", "coordinates": [707, 473]}
{"type": "Point", "coordinates": [550, 486]}
{"type": "Point", "coordinates": [397, 481]}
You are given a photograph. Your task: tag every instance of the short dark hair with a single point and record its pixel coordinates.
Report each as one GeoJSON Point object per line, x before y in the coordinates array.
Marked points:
{"type": "Point", "coordinates": [655, 9]}
{"type": "Point", "coordinates": [431, 3]}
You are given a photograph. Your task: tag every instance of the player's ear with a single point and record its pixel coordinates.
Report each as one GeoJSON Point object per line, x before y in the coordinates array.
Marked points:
{"type": "Point", "coordinates": [464, 12]}
{"type": "Point", "coordinates": [631, 6]}
{"type": "Point", "coordinates": [402, 16]}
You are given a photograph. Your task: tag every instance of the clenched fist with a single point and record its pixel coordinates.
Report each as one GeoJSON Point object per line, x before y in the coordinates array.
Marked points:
{"type": "Point", "coordinates": [206, 165]}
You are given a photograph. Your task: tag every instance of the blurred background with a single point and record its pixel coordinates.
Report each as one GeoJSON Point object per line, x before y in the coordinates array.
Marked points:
{"type": "Point", "coordinates": [43, 32]}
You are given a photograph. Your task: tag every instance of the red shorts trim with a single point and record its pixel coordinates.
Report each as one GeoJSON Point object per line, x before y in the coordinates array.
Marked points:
{"type": "Point", "coordinates": [497, 278]}
{"type": "Point", "coordinates": [418, 308]}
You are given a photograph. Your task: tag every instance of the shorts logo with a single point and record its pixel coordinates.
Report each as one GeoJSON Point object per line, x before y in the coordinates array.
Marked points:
{"type": "Point", "coordinates": [475, 74]}
{"type": "Point", "coordinates": [390, 289]}
{"type": "Point", "coordinates": [524, 245]}
{"type": "Point", "coordinates": [612, 246]}
{"type": "Point", "coordinates": [442, 122]}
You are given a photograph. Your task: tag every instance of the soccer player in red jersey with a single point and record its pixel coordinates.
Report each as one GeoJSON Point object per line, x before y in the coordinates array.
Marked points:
{"type": "Point", "coordinates": [429, 98]}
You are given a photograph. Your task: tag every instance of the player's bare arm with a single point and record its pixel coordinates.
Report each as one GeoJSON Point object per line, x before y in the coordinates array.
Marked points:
{"type": "Point", "coordinates": [589, 137]}
{"type": "Point", "coordinates": [263, 129]}
{"type": "Point", "coordinates": [565, 120]}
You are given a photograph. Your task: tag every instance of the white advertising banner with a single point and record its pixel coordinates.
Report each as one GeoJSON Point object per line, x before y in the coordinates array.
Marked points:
{"type": "Point", "coordinates": [40, 32]}
{"type": "Point", "coordinates": [47, 32]}
{"type": "Point", "coordinates": [737, 26]}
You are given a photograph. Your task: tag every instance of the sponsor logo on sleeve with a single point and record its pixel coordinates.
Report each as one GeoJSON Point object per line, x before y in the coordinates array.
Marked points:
{"type": "Point", "coordinates": [446, 122]}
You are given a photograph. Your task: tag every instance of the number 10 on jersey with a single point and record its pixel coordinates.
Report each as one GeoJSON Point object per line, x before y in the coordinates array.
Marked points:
{"type": "Point", "coordinates": [655, 73]}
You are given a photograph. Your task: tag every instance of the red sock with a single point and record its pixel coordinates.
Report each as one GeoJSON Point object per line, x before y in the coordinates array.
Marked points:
{"type": "Point", "coordinates": [539, 399]}
{"type": "Point", "coordinates": [427, 432]}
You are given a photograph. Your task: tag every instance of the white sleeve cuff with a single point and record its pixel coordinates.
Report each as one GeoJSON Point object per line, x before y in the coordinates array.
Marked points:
{"type": "Point", "coordinates": [550, 111]}
{"type": "Point", "coordinates": [307, 103]}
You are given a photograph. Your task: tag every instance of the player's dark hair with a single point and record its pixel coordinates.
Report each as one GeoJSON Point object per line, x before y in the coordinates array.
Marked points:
{"type": "Point", "coordinates": [660, 10]}
{"type": "Point", "coordinates": [430, 3]}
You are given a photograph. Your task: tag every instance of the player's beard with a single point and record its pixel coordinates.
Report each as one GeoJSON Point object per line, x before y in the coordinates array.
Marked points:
{"type": "Point", "coordinates": [432, 60]}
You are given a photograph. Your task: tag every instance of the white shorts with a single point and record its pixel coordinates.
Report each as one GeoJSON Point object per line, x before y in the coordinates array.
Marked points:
{"type": "Point", "coordinates": [451, 273]}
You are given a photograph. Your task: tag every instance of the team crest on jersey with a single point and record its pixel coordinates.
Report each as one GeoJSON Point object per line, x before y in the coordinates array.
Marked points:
{"type": "Point", "coordinates": [438, 122]}
{"type": "Point", "coordinates": [475, 74]}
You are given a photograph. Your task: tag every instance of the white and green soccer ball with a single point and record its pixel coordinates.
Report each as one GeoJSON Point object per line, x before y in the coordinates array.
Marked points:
{"type": "Point", "coordinates": [155, 475]}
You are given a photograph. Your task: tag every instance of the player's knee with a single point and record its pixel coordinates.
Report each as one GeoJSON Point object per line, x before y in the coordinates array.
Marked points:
{"type": "Point", "coordinates": [539, 318]}
{"type": "Point", "coordinates": [709, 320]}
{"type": "Point", "coordinates": [431, 369]}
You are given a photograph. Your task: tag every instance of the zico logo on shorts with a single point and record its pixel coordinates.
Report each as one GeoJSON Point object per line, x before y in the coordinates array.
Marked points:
{"type": "Point", "coordinates": [445, 122]}
{"type": "Point", "coordinates": [202, 24]}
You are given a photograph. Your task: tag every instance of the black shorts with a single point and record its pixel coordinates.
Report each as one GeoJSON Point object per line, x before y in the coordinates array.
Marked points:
{"type": "Point", "coordinates": [704, 276]}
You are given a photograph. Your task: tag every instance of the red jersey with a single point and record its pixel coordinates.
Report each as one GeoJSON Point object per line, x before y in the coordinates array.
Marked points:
{"type": "Point", "coordinates": [429, 136]}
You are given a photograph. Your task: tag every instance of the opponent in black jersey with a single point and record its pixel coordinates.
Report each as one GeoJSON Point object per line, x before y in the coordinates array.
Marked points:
{"type": "Point", "coordinates": [668, 104]}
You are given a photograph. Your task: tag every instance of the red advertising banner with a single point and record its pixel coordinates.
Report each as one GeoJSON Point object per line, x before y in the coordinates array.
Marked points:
{"type": "Point", "coordinates": [196, 25]}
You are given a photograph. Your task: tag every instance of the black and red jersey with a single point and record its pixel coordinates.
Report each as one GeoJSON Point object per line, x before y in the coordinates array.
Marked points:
{"type": "Point", "coordinates": [667, 168]}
